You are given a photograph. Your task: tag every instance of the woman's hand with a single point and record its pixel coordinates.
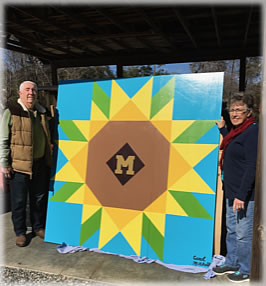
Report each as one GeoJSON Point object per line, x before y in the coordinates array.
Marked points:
{"type": "Point", "coordinates": [238, 205]}
{"type": "Point", "coordinates": [220, 123]}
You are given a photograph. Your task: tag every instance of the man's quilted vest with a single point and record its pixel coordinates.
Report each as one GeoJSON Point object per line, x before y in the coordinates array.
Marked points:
{"type": "Point", "coordinates": [21, 141]}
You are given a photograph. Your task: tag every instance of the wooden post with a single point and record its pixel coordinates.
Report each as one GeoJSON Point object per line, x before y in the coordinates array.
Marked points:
{"type": "Point", "coordinates": [119, 71]}
{"type": "Point", "coordinates": [258, 234]}
{"type": "Point", "coordinates": [54, 77]}
{"type": "Point", "coordinates": [242, 74]}
{"type": "Point", "coordinates": [219, 212]}
{"type": "Point", "coordinates": [258, 256]}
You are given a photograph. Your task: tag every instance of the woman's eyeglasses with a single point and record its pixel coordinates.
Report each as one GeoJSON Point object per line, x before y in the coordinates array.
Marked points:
{"type": "Point", "coordinates": [237, 110]}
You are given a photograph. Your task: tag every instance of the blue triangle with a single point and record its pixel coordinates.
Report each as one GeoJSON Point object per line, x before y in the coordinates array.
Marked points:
{"type": "Point", "coordinates": [61, 134]}
{"type": "Point", "coordinates": [93, 241]}
{"type": "Point", "coordinates": [106, 86]}
{"type": "Point", "coordinates": [119, 245]}
{"type": "Point", "coordinates": [212, 136]}
{"type": "Point", "coordinates": [207, 169]}
{"type": "Point", "coordinates": [159, 82]}
{"type": "Point", "coordinates": [59, 160]}
{"type": "Point", "coordinates": [207, 201]}
{"type": "Point", "coordinates": [132, 85]}
{"type": "Point", "coordinates": [55, 185]}
{"type": "Point", "coordinates": [147, 251]}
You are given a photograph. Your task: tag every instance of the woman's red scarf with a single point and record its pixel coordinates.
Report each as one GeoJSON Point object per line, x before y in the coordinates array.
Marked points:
{"type": "Point", "coordinates": [232, 134]}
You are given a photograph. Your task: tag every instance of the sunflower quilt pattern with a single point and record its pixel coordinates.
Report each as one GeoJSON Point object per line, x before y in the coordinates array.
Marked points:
{"type": "Point", "coordinates": [136, 166]}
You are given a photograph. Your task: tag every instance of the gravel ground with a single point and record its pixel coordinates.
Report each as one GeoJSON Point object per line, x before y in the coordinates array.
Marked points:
{"type": "Point", "coordinates": [17, 276]}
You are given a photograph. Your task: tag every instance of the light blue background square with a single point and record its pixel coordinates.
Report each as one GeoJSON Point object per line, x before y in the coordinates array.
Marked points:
{"type": "Point", "coordinates": [74, 101]}
{"type": "Point", "coordinates": [198, 96]}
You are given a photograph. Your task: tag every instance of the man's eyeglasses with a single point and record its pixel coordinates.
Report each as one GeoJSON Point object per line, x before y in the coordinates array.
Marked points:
{"type": "Point", "coordinates": [238, 110]}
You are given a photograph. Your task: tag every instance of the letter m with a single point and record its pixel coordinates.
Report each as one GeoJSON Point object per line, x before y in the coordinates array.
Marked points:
{"type": "Point", "coordinates": [121, 162]}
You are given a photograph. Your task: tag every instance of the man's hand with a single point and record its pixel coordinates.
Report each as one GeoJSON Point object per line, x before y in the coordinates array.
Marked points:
{"type": "Point", "coordinates": [220, 123]}
{"type": "Point", "coordinates": [7, 172]}
{"type": "Point", "coordinates": [238, 205]}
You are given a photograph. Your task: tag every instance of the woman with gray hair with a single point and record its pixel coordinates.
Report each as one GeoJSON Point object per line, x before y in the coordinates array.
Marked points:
{"type": "Point", "coordinates": [238, 165]}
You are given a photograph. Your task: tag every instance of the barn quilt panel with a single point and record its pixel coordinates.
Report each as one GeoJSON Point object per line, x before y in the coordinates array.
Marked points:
{"type": "Point", "coordinates": [136, 166]}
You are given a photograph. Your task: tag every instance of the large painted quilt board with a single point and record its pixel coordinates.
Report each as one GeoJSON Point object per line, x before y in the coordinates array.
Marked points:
{"type": "Point", "coordinates": [136, 166]}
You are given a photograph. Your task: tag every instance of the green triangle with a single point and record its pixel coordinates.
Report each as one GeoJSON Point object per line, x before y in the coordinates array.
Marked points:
{"type": "Point", "coordinates": [195, 131]}
{"type": "Point", "coordinates": [66, 191]}
{"type": "Point", "coordinates": [153, 236]}
{"type": "Point", "coordinates": [162, 97]}
{"type": "Point", "coordinates": [101, 99]}
{"type": "Point", "coordinates": [190, 204]}
{"type": "Point", "coordinates": [71, 130]}
{"type": "Point", "coordinates": [90, 226]}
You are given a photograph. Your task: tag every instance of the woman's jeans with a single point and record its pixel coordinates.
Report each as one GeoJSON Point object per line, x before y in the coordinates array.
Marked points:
{"type": "Point", "coordinates": [21, 185]}
{"type": "Point", "coordinates": [239, 236]}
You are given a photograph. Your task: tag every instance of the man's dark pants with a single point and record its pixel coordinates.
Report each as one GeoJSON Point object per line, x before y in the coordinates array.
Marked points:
{"type": "Point", "coordinates": [21, 185]}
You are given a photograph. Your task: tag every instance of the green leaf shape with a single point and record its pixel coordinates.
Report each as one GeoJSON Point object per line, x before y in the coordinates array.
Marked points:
{"type": "Point", "coordinates": [195, 131]}
{"type": "Point", "coordinates": [90, 226]}
{"type": "Point", "coordinates": [153, 236]}
{"type": "Point", "coordinates": [66, 191]}
{"type": "Point", "coordinates": [190, 204]}
{"type": "Point", "coordinates": [162, 97]}
{"type": "Point", "coordinates": [101, 99]}
{"type": "Point", "coordinates": [71, 130]}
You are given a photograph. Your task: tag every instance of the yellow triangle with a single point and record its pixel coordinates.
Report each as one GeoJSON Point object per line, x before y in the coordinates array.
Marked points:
{"type": "Point", "coordinates": [108, 229]}
{"type": "Point", "coordinates": [118, 99]}
{"type": "Point", "coordinates": [178, 167]}
{"type": "Point", "coordinates": [96, 126]}
{"type": "Point", "coordinates": [89, 197]}
{"type": "Point", "coordinates": [77, 197]}
{"type": "Point", "coordinates": [88, 211]}
{"type": "Point", "coordinates": [84, 127]}
{"type": "Point", "coordinates": [132, 233]}
{"type": "Point", "coordinates": [96, 113]}
{"type": "Point", "coordinates": [158, 220]}
{"type": "Point", "coordinates": [194, 153]}
{"type": "Point", "coordinates": [164, 127]}
{"type": "Point", "coordinates": [130, 112]}
{"type": "Point", "coordinates": [71, 148]}
{"type": "Point", "coordinates": [191, 182]}
{"type": "Point", "coordinates": [179, 126]}
{"type": "Point", "coordinates": [142, 98]}
{"type": "Point", "coordinates": [173, 207]}
{"type": "Point", "coordinates": [166, 113]}
{"type": "Point", "coordinates": [121, 217]}
{"type": "Point", "coordinates": [79, 162]}
{"type": "Point", "coordinates": [158, 205]}
{"type": "Point", "coordinates": [68, 173]}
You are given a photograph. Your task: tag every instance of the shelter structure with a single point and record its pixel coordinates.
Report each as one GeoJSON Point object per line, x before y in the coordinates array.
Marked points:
{"type": "Point", "coordinates": [122, 35]}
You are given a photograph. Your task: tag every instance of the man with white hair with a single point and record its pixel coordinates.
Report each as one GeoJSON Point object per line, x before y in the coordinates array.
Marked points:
{"type": "Point", "coordinates": [25, 159]}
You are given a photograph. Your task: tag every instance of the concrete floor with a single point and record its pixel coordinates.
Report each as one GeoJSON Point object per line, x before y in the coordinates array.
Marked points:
{"type": "Point", "coordinates": [100, 269]}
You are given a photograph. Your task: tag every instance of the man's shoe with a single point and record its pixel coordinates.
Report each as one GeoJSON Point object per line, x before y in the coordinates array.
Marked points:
{"type": "Point", "coordinates": [21, 240]}
{"type": "Point", "coordinates": [238, 277]}
{"type": "Point", "coordinates": [224, 269]}
{"type": "Point", "coordinates": [40, 233]}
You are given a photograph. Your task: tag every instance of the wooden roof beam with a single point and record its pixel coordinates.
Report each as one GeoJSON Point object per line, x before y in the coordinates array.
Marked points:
{"type": "Point", "coordinates": [26, 38]}
{"type": "Point", "coordinates": [185, 27]}
{"type": "Point", "coordinates": [122, 26]}
{"type": "Point", "coordinates": [77, 20]}
{"type": "Point", "coordinates": [247, 27]}
{"type": "Point", "coordinates": [215, 20]}
{"type": "Point", "coordinates": [156, 28]}
{"type": "Point", "coordinates": [111, 20]}
{"type": "Point", "coordinates": [51, 23]}
{"type": "Point", "coordinates": [41, 56]}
